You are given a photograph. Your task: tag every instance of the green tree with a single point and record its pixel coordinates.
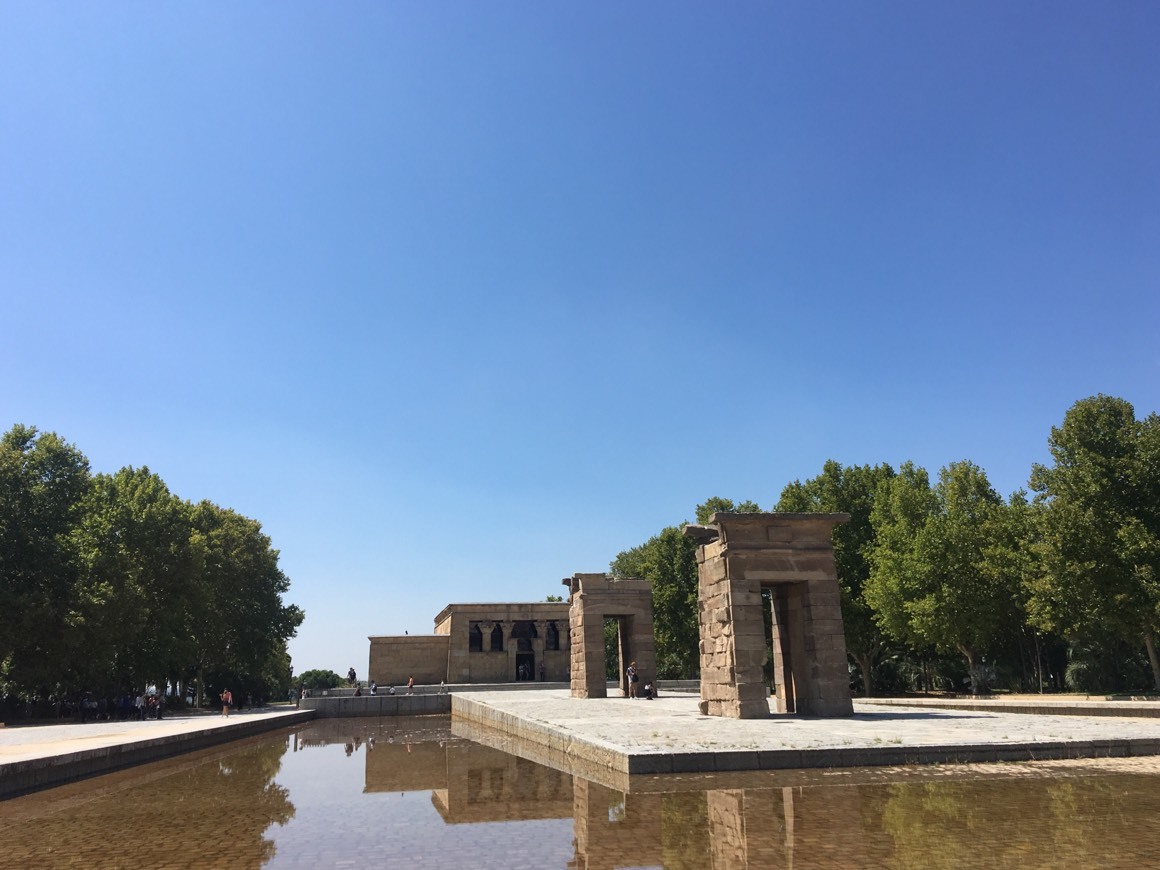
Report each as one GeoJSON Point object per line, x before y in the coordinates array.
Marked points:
{"type": "Point", "coordinates": [930, 581]}
{"type": "Point", "coordinates": [318, 679]}
{"type": "Point", "coordinates": [112, 580]}
{"type": "Point", "coordinates": [725, 505]}
{"type": "Point", "coordinates": [43, 481]}
{"type": "Point", "coordinates": [669, 562]}
{"type": "Point", "coordinates": [849, 490]}
{"type": "Point", "coordinates": [1101, 526]}
{"type": "Point", "coordinates": [241, 620]}
{"type": "Point", "coordinates": [902, 506]}
{"type": "Point", "coordinates": [139, 580]}
{"type": "Point", "coordinates": [1013, 562]}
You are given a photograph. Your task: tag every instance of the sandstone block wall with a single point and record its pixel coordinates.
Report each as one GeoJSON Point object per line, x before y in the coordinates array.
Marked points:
{"type": "Point", "coordinates": [394, 659]}
{"type": "Point", "coordinates": [791, 554]}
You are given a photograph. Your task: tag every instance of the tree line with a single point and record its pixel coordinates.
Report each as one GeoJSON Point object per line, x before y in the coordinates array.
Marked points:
{"type": "Point", "coordinates": [111, 583]}
{"type": "Point", "coordinates": [947, 585]}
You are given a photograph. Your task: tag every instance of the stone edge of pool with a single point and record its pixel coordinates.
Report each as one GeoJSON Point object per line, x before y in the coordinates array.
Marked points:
{"type": "Point", "coordinates": [60, 767]}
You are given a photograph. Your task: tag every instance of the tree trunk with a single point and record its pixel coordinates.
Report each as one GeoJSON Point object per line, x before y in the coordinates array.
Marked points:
{"type": "Point", "coordinates": [1038, 662]}
{"type": "Point", "coordinates": [866, 666]}
{"type": "Point", "coordinates": [1023, 660]}
{"type": "Point", "coordinates": [969, 655]}
{"type": "Point", "coordinates": [1150, 645]}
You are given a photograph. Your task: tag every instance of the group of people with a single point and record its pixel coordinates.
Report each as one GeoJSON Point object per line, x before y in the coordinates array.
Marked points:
{"type": "Point", "coordinates": [129, 706]}
{"type": "Point", "coordinates": [372, 686]}
{"type": "Point", "coordinates": [633, 678]}
{"type": "Point", "coordinates": [526, 672]}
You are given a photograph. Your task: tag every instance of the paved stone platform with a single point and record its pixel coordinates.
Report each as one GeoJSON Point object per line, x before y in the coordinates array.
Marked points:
{"type": "Point", "coordinates": [37, 756]}
{"type": "Point", "coordinates": [669, 735]}
{"type": "Point", "coordinates": [1037, 705]}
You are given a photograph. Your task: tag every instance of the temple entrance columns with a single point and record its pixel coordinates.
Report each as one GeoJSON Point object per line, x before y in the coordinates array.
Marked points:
{"type": "Point", "coordinates": [739, 555]}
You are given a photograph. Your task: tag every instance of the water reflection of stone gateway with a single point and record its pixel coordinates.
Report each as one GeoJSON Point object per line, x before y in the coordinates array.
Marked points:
{"type": "Point", "coordinates": [594, 598]}
{"type": "Point", "coordinates": [791, 556]}
{"type": "Point", "coordinates": [686, 822]}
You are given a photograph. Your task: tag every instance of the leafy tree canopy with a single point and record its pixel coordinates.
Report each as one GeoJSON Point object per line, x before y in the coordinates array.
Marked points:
{"type": "Point", "coordinates": [319, 679]}
{"type": "Point", "coordinates": [850, 490]}
{"type": "Point", "coordinates": [111, 582]}
{"type": "Point", "coordinates": [1100, 541]}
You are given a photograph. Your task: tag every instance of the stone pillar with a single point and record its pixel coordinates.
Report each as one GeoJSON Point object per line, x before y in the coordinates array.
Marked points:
{"type": "Point", "coordinates": [588, 668]}
{"type": "Point", "coordinates": [582, 820]}
{"type": "Point", "coordinates": [540, 646]}
{"type": "Point", "coordinates": [738, 555]}
{"type": "Point", "coordinates": [510, 648]}
{"type": "Point", "coordinates": [485, 628]}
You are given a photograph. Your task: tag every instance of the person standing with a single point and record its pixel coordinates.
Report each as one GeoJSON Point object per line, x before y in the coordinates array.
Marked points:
{"type": "Point", "coordinates": [630, 672]}
{"type": "Point", "coordinates": [227, 702]}
{"type": "Point", "coordinates": [410, 685]}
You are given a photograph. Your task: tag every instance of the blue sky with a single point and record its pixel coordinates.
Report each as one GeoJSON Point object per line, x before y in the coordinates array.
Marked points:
{"type": "Point", "coordinates": [458, 299]}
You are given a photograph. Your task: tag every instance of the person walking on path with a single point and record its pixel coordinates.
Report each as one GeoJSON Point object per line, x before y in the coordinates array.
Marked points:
{"type": "Point", "coordinates": [410, 685]}
{"type": "Point", "coordinates": [227, 701]}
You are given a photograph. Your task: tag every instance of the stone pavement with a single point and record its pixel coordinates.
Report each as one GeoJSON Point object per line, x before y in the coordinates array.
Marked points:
{"type": "Point", "coordinates": [1075, 705]}
{"type": "Point", "coordinates": [668, 735]}
{"type": "Point", "coordinates": [39, 756]}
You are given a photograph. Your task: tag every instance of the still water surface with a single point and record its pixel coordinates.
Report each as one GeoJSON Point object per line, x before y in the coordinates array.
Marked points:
{"type": "Point", "coordinates": [407, 793]}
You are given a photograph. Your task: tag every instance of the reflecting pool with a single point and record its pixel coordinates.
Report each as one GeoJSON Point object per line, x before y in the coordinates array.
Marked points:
{"type": "Point", "coordinates": [408, 793]}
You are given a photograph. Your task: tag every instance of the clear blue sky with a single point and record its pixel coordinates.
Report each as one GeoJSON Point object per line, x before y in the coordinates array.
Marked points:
{"type": "Point", "coordinates": [458, 299]}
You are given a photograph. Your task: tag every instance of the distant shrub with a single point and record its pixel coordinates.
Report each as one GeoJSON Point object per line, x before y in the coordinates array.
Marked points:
{"type": "Point", "coordinates": [319, 679]}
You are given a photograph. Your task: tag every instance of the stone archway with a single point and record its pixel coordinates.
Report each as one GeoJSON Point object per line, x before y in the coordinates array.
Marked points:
{"type": "Point", "coordinates": [739, 555]}
{"type": "Point", "coordinates": [594, 598]}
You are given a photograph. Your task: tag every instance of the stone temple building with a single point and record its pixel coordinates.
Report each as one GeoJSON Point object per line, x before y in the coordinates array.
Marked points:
{"type": "Point", "coordinates": [479, 643]}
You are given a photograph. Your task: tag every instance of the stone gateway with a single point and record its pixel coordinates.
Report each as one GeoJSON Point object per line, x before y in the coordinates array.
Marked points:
{"type": "Point", "coordinates": [594, 598]}
{"type": "Point", "coordinates": [740, 555]}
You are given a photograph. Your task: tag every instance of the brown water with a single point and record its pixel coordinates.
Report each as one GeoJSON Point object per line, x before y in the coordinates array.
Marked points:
{"type": "Point", "coordinates": [406, 793]}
